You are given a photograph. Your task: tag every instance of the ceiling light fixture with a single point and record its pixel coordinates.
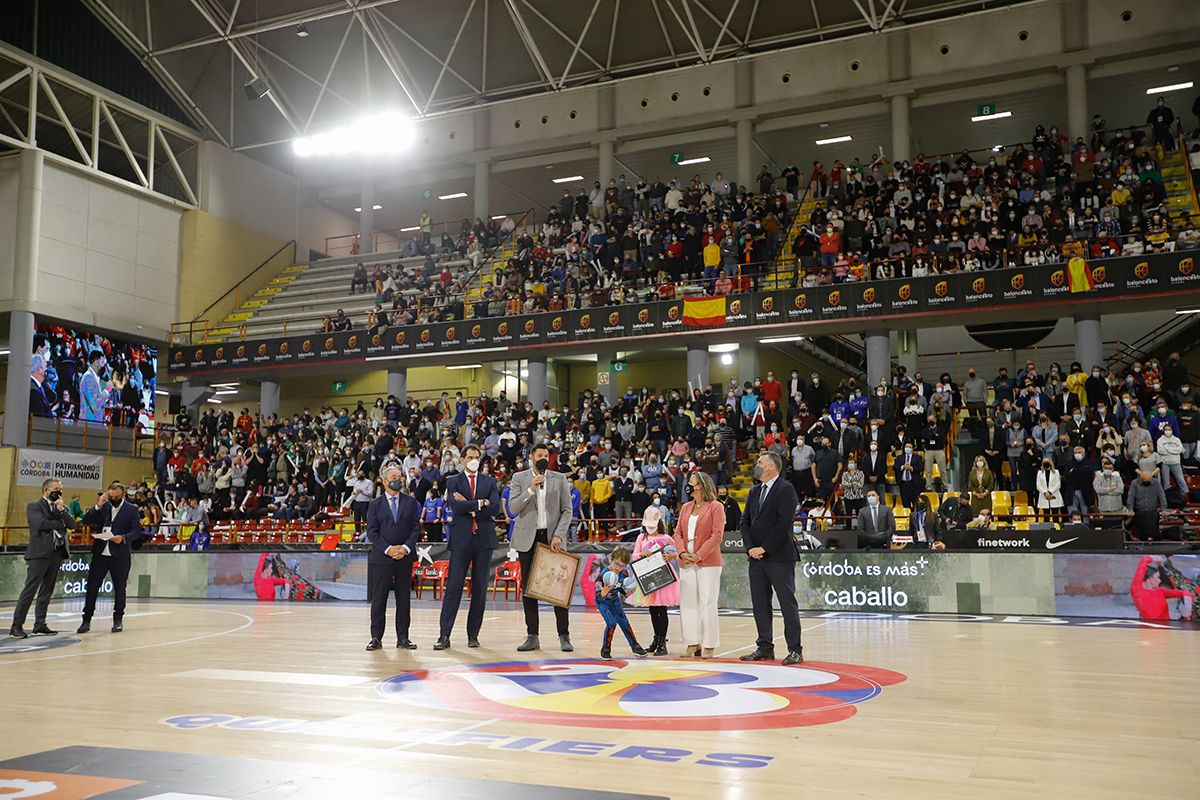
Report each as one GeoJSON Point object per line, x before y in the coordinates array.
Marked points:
{"type": "Point", "coordinates": [989, 117]}
{"type": "Point", "coordinates": [390, 132]}
{"type": "Point", "coordinates": [214, 400]}
{"type": "Point", "coordinates": [500, 216]}
{"type": "Point", "coordinates": [160, 391]}
{"type": "Point", "coordinates": [302, 31]}
{"type": "Point", "coordinates": [835, 140]}
{"type": "Point", "coordinates": [723, 348]}
{"type": "Point", "coordinates": [780, 339]}
{"type": "Point", "coordinates": [700, 160]}
{"type": "Point", "coordinates": [227, 391]}
{"type": "Point", "coordinates": [1174, 87]}
{"type": "Point", "coordinates": [464, 366]}
{"type": "Point", "coordinates": [568, 179]}
{"type": "Point", "coordinates": [358, 209]}
{"type": "Point", "coordinates": [727, 359]}
{"type": "Point", "coordinates": [410, 229]}
{"type": "Point", "coordinates": [454, 196]}
{"type": "Point", "coordinates": [256, 89]}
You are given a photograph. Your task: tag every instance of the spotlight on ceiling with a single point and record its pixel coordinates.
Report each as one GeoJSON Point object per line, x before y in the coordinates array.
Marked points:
{"type": "Point", "coordinates": [256, 89]}
{"type": "Point", "coordinates": [302, 30]}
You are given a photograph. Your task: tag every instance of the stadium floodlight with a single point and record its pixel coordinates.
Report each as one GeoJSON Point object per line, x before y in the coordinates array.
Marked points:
{"type": "Point", "coordinates": [568, 179]}
{"type": "Point", "coordinates": [381, 134]}
{"type": "Point", "coordinates": [990, 117]}
{"type": "Point", "coordinates": [835, 140]}
{"type": "Point", "coordinates": [453, 196]}
{"type": "Point", "coordinates": [727, 359]}
{"type": "Point", "coordinates": [1174, 87]}
{"type": "Point", "coordinates": [700, 160]}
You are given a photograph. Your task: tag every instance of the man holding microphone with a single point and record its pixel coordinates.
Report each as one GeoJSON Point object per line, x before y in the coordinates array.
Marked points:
{"type": "Point", "coordinates": [119, 524]}
{"type": "Point", "coordinates": [393, 528]}
{"type": "Point", "coordinates": [49, 522]}
{"type": "Point", "coordinates": [541, 500]}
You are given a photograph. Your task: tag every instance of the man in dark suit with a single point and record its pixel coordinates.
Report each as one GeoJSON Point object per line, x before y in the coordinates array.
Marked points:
{"type": "Point", "coordinates": [393, 528]}
{"type": "Point", "coordinates": [49, 522]}
{"type": "Point", "coordinates": [115, 518]}
{"type": "Point", "coordinates": [767, 537]}
{"type": "Point", "coordinates": [475, 501]}
{"type": "Point", "coordinates": [41, 400]}
{"type": "Point", "coordinates": [876, 523]}
{"type": "Point", "coordinates": [909, 470]}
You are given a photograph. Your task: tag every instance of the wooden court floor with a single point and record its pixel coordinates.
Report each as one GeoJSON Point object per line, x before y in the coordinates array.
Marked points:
{"type": "Point", "coordinates": [885, 708]}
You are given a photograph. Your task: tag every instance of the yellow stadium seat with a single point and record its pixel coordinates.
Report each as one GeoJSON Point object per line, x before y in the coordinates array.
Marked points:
{"type": "Point", "coordinates": [1022, 513]}
{"type": "Point", "coordinates": [935, 472]}
{"type": "Point", "coordinates": [1020, 498]}
{"type": "Point", "coordinates": [889, 499]}
{"type": "Point", "coordinates": [933, 499]}
{"type": "Point", "coordinates": [947, 495]}
{"type": "Point", "coordinates": [1001, 502]}
{"type": "Point", "coordinates": [1006, 471]}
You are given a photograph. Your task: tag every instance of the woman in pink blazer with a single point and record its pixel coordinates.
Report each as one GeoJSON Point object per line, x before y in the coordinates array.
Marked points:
{"type": "Point", "coordinates": [698, 536]}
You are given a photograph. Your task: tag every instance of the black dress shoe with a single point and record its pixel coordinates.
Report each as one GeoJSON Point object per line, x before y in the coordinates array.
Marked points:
{"type": "Point", "coordinates": [84, 626]}
{"type": "Point", "coordinates": [472, 641]}
{"type": "Point", "coordinates": [374, 644]}
{"type": "Point", "coordinates": [406, 644]}
{"type": "Point", "coordinates": [17, 632]}
{"type": "Point", "coordinates": [793, 658]}
{"type": "Point", "coordinates": [530, 643]}
{"type": "Point", "coordinates": [44, 630]}
{"type": "Point", "coordinates": [117, 626]}
{"type": "Point", "coordinates": [759, 654]}
{"type": "Point", "coordinates": [443, 643]}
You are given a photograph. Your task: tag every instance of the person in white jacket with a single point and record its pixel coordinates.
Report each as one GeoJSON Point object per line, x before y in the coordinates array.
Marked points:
{"type": "Point", "coordinates": [1170, 457]}
{"type": "Point", "coordinates": [1049, 490]}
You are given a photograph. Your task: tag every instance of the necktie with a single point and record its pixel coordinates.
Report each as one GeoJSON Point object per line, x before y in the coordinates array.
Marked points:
{"type": "Point", "coordinates": [474, 521]}
{"type": "Point", "coordinates": [392, 500]}
{"type": "Point", "coordinates": [875, 518]}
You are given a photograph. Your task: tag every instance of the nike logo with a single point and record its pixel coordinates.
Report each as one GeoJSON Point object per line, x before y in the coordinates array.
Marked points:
{"type": "Point", "coordinates": [1051, 545]}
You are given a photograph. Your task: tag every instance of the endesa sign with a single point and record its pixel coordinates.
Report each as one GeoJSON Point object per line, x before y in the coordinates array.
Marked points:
{"type": "Point", "coordinates": [964, 291]}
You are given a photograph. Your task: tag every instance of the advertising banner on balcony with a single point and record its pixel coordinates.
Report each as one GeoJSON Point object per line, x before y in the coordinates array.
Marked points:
{"type": "Point", "coordinates": [75, 470]}
{"type": "Point", "coordinates": [1114, 279]}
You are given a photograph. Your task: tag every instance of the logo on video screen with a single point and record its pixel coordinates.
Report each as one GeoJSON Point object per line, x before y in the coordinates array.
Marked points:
{"type": "Point", "coordinates": [646, 695]}
{"type": "Point", "coordinates": [869, 295]}
{"type": "Point", "coordinates": [673, 312]}
{"type": "Point", "coordinates": [585, 321]}
{"type": "Point", "coordinates": [530, 325]}
{"type": "Point", "coordinates": [352, 343]}
{"type": "Point", "coordinates": [451, 333]}
{"type": "Point", "coordinates": [217, 356]}
{"type": "Point", "coordinates": [905, 291]}
{"type": "Point", "coordinates": [178, 356]}
{"type": "Point", "coordinates": [614, 318]}
{"type": "Point", "coordinates": [555, 324]}
{"type": "Point", "coordinates": [262, 349]}
{"type": "Point", "coordinates": [1017, 281]}
{"type": "Point", "coordinates": [735, 308]}
{"type": "Point", "coordinates": [835, 298]}
{"type": "Point", "coordinates": [643, 315]}
{"type": "Point", "coordinates": [768, 304]}
{"type": "Point", "coordinates": [1185, 267]}
{"type": "Point", "coordinates": [400, 337]}
{"type": "Point", "coordinates": [1100, 274]}
{"type": "Point", "coordinates": [801, 301]}
{"type": "Point", "coordinates": [1058, 277]}
{"type": "Point", "coordinates": [502, 329]}
{"type": "Point", "coordinates": [941, 288]}
{"type": "Point", "coordinates": [424, 334]}
{"type": "Point", "coordinates": [979, 285]}
{"type": "Point", "coordinates": [1141, 270]}
{"type": "Point", "coordinates": [476, 331]}
{"type": "Point", "coordinates": [306, 345]}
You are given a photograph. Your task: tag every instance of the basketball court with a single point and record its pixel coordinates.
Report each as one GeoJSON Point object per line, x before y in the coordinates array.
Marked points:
{"type": "Point", "coordinates": [236, 700]}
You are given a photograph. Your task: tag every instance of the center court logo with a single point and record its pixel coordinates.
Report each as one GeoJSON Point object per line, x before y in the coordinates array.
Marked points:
{"type": "Point", "coordinates": [646, 695]}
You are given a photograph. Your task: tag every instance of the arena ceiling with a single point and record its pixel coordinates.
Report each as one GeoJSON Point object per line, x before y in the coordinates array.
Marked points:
{"type": "Point", "coordinates": [426, 58]}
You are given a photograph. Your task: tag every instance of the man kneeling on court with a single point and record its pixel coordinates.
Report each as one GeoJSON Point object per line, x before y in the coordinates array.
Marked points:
{"type": "Point", "coordinates": [393, 528]}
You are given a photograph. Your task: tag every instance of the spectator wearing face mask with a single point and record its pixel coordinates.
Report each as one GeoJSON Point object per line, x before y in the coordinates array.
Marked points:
{"type": "Point", "coordinates": [1143, 504]}
{"type": "Point", "coordinates": [1049, 491]}
{"type": "Point", "coordinates": [1109, 488]}
{"type": "Point", "coordinates": [981, 482]}
{"type": "Point", "coordinates": [853, 487]}
{"type": "Point", "coordinates": [1077, 485]}
{"type": "Point", "coordinates": [1170, 455]}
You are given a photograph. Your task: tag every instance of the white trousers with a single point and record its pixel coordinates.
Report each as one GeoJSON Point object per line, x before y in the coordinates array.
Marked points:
{"type": "Point", "coordinates": [698, 590]}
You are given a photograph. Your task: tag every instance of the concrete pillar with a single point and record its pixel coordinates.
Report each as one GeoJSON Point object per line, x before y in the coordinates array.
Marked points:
{"type": "Point", "coordinates": [746, 361]}
{"type": "Point", "coordinates": [482, 119]}
{"type": "Point", "coordinates": [481, 196]}
{"type": "Point", "coordinates": [743, 83]}
{"type": "Point", "coordinates": [745, 153]}
{"type": "Point", "coordinates": [537, 382]}
{"type": "Point", "coordinates": [697, 366]}
{"type": "Point", "coordinates": [16, 395]}
{"type": "Point", "coordinates": [605, 173]}
{"type": "Point", "coordinates": [29, 227]}
{"type": "Point", "coordinates": [193, 395]}
{"type": "Point", "coordinates": [609, 391]}
{"type": "Point", "coordinates": [901, 138]}
{"type": "Point", "coordinates": [268, 398]}
{"type": "Point", "coordinates": [1077, 102]}
{"type": "Point", "coordinates": [366, 218]}
{"type": "Point", "coordinates": [906, 350]}
{"type": "Point", "coordinates": [879, 355]}
{"type": "Point", "coordinates": [397, 383]}
{"type": "Point", "coordinates": [1089, 348]}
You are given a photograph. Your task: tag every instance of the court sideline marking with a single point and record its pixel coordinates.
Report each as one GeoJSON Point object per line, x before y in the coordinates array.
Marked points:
{"type": "Point", "coordinates": [776, 639]}
{"type": "Point", "coordinates": [249, 621]}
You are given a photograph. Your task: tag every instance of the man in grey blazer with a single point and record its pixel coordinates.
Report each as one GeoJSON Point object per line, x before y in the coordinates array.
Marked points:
{"type": "Point", "coordinates": [49, 523]}
{"type": "Point", "coordinates": [541, 501]}
{"type": "Point", "coordinates": [876, 523]}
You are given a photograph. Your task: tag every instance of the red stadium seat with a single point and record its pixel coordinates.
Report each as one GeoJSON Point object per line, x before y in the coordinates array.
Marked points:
{"type": "Point", "coordinates": [509, 574]}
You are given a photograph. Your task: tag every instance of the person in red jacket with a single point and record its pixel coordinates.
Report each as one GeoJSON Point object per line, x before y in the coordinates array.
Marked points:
{"type": "Point", "coordinates": [1149, 596]}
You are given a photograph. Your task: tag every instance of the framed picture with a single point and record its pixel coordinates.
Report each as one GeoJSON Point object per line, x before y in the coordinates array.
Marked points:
{"type": "Point", "coordinates": [552, 576]}
{"type": "Point", "coordinates": [652, 572]}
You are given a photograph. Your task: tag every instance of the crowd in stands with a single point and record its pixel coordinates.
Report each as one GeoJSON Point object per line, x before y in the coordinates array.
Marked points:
{"type": "Point", "coordinates": [641, 239]}
{"type": "Point", "coordinates": [1077, 441]}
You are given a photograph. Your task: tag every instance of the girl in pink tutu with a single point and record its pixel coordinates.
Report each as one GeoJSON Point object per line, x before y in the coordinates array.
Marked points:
{"type": "Point", "coordinates": [653, 538]}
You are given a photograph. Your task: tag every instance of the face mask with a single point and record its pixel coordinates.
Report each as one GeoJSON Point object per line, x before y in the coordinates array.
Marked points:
{"type": "Point", "coordinates": [541, 465]}
{"type": "Point", "coordinates": [908, 451]}
{"type": "Point", "coordinates": [1162, 412]}
{"type": "Point", "coordinates": [1079, 456]}
{"type": "Point", "coordinates": [872, 501]}
{"type": "Point", "coordinates": [689, 490]}
{"type": "Point", "coordinates": [1145, 448]}
{"type": "Point", "coordinates": [55, 496]}
{"type": "Point", "coordinates": [850, 465]}
{"type": "Point", "coordinates": [473, 465]}
{"type": "Point", "coordinates": [657, 501]}
{"type": "Point", "coordinates": [979, 465]}
{"type": "Point", "coordinates": [758, 472]}
{"type": "Point", "coordinates": [395, 486]}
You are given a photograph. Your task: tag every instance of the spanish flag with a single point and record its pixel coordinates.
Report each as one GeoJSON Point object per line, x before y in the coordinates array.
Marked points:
{"type": "Point", "coordinates": [1079, 275]}
{"type": "Point", "coordinates": [704, 312]}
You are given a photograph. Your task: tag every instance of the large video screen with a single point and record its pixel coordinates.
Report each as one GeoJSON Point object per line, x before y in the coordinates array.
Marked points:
{"type": "Point", "coordinates": [79, 374]}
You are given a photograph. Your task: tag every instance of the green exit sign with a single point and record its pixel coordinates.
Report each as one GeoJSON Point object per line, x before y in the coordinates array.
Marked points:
{"type": "Point", "coordinates": [619, 366]}
{"type": "Point", "coordinates": [987, 109]}
{"type": "Point", "coordinates": [676, 157]}
{"type": "Point", "coordinates": [339, 386]}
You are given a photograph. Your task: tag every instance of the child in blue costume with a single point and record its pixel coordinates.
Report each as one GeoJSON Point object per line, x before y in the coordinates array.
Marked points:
{"type": "Point", "coordinates": [610, 594]}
